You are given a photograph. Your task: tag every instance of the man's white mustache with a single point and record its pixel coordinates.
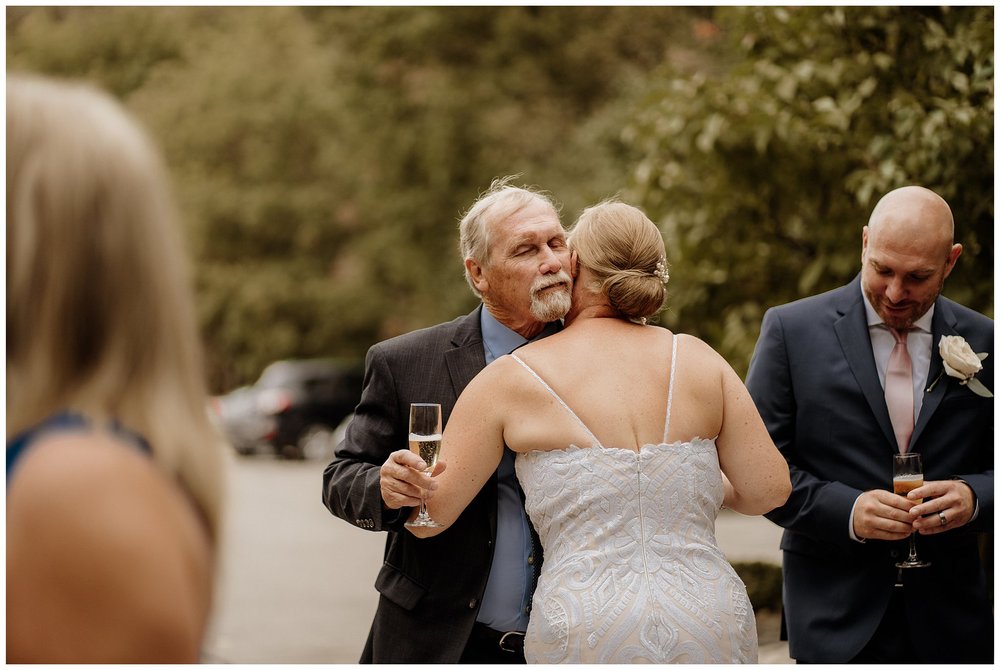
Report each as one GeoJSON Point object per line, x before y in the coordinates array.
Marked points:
{"type": "Point", "coordinates": [542, 283]}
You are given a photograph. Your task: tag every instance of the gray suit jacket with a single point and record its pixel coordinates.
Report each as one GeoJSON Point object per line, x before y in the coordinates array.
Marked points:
{"type": "Point", "coordinates": [814, 380]}
{"type": "Point", "coordinates": [430, 589]}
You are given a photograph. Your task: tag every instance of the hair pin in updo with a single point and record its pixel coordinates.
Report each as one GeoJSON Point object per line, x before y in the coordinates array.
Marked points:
{"type": "Point", "coordinates": [661, 270]}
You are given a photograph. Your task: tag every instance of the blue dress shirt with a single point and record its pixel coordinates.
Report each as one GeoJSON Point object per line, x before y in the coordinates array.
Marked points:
{"type": "Point", "coordinates": [507, 600]}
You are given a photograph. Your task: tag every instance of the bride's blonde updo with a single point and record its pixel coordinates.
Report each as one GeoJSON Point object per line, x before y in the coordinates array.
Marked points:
{"type": "Point", "coordinates": [625, 252]}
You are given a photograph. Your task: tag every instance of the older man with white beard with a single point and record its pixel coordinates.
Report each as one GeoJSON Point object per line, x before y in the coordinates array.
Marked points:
{"type": "Point", "coordinates": [463, 597]}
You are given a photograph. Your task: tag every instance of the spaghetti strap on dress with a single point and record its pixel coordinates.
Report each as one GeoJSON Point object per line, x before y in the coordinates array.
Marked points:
{"type": "Point", "coordinates": [558, 399]}
{"type": "Point", "coordinates": [576, 417]}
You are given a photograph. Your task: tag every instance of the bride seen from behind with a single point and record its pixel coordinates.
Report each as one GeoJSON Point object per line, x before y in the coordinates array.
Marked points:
{"type": "Point", "coordinates": [621, 430]}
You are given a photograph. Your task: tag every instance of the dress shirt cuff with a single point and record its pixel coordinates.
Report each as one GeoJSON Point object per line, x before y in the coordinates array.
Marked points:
{"type": "Point", "coordinates": [850, 523]}
{"type": "Point", "coordinates": [975, 498]}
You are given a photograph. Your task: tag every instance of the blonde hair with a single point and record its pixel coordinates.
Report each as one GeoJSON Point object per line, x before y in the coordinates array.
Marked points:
{"type": "Point", "coordinates": [499, 202]}
{"type": "Point", "coordinates": [624, 250]}
{"type": "Point", "coordinates": [100, 317]}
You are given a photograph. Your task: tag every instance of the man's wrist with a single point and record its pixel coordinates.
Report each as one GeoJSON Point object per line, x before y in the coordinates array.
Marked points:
{"type": "Point", "coordinates": [975, 498]}
{"type": "Point", "coordinates": [850, 522]}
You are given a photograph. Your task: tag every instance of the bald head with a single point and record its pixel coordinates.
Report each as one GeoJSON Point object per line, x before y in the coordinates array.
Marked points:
{"type": "Point", "coordinates": [907, 252]}
{"type": "Point", "coordinates": [916, 213]}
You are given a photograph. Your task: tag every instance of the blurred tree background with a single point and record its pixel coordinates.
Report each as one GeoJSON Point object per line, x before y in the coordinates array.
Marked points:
{"type": "Point", "coordinates": [322, 156]}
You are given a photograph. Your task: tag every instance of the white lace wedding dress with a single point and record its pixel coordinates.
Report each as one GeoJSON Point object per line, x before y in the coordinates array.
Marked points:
{"type": "Point", "coordinates": [632, 572]}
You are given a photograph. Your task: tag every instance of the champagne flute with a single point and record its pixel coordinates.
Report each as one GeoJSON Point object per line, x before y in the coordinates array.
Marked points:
{"type": "Point", "coordinates": [908, 474]}
{"type": "Point", "coordinates": [425, 441]}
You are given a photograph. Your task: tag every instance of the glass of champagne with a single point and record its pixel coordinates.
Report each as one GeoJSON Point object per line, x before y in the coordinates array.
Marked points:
{"type": "Point", "coordinates": [425, 441]}
{"type": "Point", "coordinates": [908, 474]}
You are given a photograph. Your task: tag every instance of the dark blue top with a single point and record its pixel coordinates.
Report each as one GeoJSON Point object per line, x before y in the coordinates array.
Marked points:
{"type": "Point", "coordinates": [62, 422]}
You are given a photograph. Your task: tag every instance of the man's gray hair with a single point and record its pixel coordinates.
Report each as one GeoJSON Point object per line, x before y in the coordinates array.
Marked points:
{"type": "Point", "coordinates": [497, 203]}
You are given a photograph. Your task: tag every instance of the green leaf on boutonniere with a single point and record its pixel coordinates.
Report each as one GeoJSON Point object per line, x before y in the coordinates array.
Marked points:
{"type": "Point", "coordinates": [977, 387]}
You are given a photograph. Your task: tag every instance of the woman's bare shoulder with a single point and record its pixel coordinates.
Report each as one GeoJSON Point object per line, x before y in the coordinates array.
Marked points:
{"type": "Point", "coordinates": [85, 474]}
{"type": "Point", "coordinates": [100, 539]}
{"type": "Point", "coordinates": [506, 371]}
{"type": "Point", "coordinates": [695, 348]}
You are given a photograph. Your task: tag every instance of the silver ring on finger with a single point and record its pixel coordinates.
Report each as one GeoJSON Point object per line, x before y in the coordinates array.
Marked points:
{"type": "Point", "coordinates": [944, 519]}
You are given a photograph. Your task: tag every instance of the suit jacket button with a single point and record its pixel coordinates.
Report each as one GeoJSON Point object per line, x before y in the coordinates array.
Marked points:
{"type": "Point", "coordinates": [472, 604]}
{"type": "Point", "coordinates": [894, 553]}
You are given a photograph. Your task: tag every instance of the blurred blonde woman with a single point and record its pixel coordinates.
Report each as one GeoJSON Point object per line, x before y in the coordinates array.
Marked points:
{"type": "Point", "coordinates": [113, 467]}
{"type": "Point", "coordinates": [620, 431]}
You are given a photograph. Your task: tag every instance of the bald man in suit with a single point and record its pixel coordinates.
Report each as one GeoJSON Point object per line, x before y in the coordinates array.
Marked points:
{"type": "Point", "coordinates": [817, 376]}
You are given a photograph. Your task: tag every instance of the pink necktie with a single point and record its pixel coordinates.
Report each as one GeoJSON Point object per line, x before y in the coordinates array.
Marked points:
{"type": "Point", "coordinates": [899, 391]}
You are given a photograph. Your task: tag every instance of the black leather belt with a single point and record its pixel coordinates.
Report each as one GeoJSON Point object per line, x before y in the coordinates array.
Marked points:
{"type": "Point", "coordinates": [511, 641]}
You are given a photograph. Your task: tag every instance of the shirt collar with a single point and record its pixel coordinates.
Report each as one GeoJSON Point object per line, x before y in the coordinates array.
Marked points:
{"type": "Point", "coordinates": [923, 323]}
{"type": "Point", "coordinates": [498, 339]}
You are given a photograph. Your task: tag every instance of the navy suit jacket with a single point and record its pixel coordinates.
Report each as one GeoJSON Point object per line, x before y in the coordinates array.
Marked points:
{"type": "Point", "coordinates": [814, 381]}
{"type": "Point", "coordinates": [430, 589]}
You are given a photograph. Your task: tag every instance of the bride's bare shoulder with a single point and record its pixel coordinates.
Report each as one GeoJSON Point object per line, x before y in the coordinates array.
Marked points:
{"type": "Point", "coordinates": [502, 376]}
{"type": "Point", "coordinates": [693, 345]}
{"type": "Point", "coordinates": [694, 352]}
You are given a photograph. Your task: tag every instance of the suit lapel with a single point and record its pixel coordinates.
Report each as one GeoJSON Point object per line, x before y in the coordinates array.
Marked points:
{"type": "Point", "coordinates": [852, 332]}
{"type": "Point", "coordinates": [943, 323]}
{"type": "Point", "coordinates": [467, 358]}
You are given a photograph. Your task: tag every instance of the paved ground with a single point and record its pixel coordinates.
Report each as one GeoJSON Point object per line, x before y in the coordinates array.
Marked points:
{"type": "Point", "coordinates": [296, 583]}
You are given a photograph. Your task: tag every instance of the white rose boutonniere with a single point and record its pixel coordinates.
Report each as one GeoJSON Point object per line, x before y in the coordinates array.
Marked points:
{"type": "Point", "coordinates": [961, 362]}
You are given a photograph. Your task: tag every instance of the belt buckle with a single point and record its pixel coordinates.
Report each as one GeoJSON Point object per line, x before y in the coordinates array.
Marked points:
{"type": "Point", "coordinates": [503, 639]}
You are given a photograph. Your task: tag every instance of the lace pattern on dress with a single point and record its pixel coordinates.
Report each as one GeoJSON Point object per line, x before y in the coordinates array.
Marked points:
{"type": "Point", "coordinates": [632, 570]}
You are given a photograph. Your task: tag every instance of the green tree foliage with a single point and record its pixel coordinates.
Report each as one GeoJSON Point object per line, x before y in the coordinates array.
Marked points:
{"type": "Point", "coordinates": [443, 100]}
{"type": "Point", "coordinates": [253, 130]}
{"type": "Point", "coordinates": [114, 47]}
{"type": "Point", "coordinates": [763, 175]}
{"type": "Point", "coordinates": [322, 156]}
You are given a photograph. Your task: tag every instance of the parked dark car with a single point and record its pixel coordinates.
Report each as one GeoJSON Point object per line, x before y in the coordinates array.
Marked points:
{"type": "Point", "coordinates": [293, 409]}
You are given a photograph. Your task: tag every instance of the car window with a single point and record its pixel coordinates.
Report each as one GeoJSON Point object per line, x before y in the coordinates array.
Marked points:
{"type": "Point", "coordinates": [311, 377]}
{"type": "Point", "coordinates": [275, 375]}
